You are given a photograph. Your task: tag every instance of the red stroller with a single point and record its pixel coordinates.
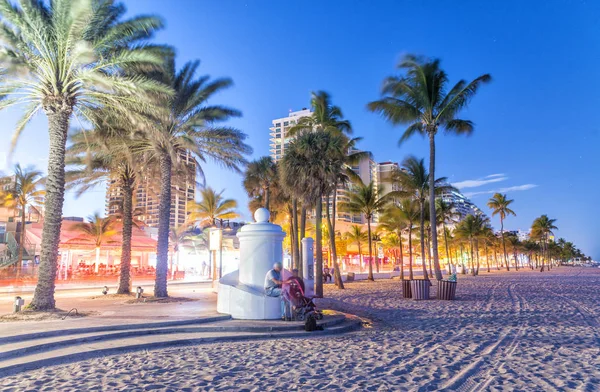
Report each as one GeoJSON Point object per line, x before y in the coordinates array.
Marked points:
{"type": "Point", "coordinates": [301, 305]}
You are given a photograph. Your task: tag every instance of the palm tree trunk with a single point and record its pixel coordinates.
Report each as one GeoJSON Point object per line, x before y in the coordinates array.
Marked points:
{"type": "Point", "coordinates": [410, 253]}
{"type": "Point", "coordinates": [301, 235]}
{"type": "Point", "coordinates": [164, 218]}
{"type": "Point", "coordinates": [267, 197]}
{"type": "Point", "coordinates": [125, 277]}
{"type": "Point", "coordinates": [428, 246]}
{"type": "Point", "coordinates": [319, 248]}
{"type": "Point", "coordinates": [360, 258]}
{"type": "Point", "coordinates": [432, 212]}
{"type": "Point", "coordinates": [477, 256]}
{"type": "Point", "coordinates": [422, 221]}
{"type": "Point", "coordinates": [58, 126]}
{"type": "Point", "coordinates": [504, 244]}
{"type": "Point", "coordinates": [401, 255]}
{"type": "Point", "coordinates": [472, 259]}
{"type": "Point", "coordinates": [370, 276]}
{"type": "Point", "coordinates": [21, 242]}
{"type": "Point", "coordinates": [337, 276]}
{"type": "Point", "coordinates": [487, 259]}
{"type": "Point", "coordinates": [448, 254]}
{"type": "Point", "coordinates": [376, 257]}
{"type": "Point", "coordinates": [296, 240]}
{"type": "Point", "coordinates": [496, 258]}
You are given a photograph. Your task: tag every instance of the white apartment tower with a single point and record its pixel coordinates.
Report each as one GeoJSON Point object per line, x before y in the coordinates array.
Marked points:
{"type": "Point", "coordinates": [279, 140]}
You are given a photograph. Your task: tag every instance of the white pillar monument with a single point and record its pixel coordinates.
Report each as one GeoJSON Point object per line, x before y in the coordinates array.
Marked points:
{"type": "Point", "coordinates": [241, 293]}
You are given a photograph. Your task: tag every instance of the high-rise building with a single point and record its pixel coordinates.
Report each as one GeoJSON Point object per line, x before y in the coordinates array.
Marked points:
{"type": "Point", "coordinates": [462, 205]}
{"type": "Point", "coordinates": [366, 169]}
{"type": "Point", "coordinates": [385, 171]}
{"type": "Point", "coordinates": [146, 196]}
{"type": "Point", "coordinates": [279, 138]}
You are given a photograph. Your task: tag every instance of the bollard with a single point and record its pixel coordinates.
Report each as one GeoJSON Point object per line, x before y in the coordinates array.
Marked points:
{"type": "Point", "coordinates": [139, 291]}
{"type": "Point", "coordinates": [19, 302]}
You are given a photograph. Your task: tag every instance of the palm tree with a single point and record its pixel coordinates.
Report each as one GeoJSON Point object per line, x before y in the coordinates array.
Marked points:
{"type": "Point", "coordinates": [421, 98]}
{"type": "Point", "coordinates": [308, 169]}
{"type": "Point", "coordinates": [65, 58]}
{"type": "Point", "coordinates": [542, 228]}
{"type": "Point", "coordinates": [395, 220]}
{"type": "Point", "coordinates": [514, 242]}
{"type": "Point", "coordinates": [358, 237]}
{"type": "Point", "coordinates": [363, 199]}
{"type": "Point", "coordinates": [187, 131]}
{"type": "Point", "coordinates": [212, 206]}
{"type": "Point", "coordinates": [259, 178]}
{"type": "Point", "coordinates": [446, 213]}
{"type": "Point", "coordinates": [24, 191]}
{"type": "Point", "coordinates": [499, 204]}
{"type": "Point", "coordinates": [468, 229]}
{"type": "Point", "coordinates": [376, 239]}
{"type": "Point", "coordinates": [97, 230]}
{"type": "Point", "coordinates": [106, 154]}
{"type": "Point", "coordinates": [178, 237]}
{"type": "Point", "coordinates": [413, 181]}
{"type": "Point", "coordinates": [327, 117]}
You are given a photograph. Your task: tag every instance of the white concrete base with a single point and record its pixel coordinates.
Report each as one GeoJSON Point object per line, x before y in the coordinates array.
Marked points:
{"type": "Point", "coordinates": [244, 302]}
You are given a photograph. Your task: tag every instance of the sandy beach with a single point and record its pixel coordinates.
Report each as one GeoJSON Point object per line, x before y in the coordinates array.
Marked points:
{"type": "Point", "coordinates": [506, 331]}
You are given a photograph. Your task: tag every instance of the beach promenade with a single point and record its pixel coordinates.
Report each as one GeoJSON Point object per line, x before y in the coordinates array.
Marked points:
{"type": "Point", "coordinates": [506, 331]}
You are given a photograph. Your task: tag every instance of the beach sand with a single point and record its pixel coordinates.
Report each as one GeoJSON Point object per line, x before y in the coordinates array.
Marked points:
{"type": "Point", "coordinates": [506, 331]}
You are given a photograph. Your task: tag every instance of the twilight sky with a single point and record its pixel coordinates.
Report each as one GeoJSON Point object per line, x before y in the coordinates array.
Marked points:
{"type": "Point", "coordinates": [537, 124]}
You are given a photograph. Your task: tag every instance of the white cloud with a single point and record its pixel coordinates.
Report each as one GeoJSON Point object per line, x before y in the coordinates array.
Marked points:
{"type": "Point", "coordinates": [480, 181]}
{"type": "Point", "coordinates": [515, 188]}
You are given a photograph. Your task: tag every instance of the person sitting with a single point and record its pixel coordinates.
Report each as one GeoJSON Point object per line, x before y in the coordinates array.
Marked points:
{"type": "Point", "coordinates": [326, 275]}
{"type": "Point", "coordinates": [273, 288]}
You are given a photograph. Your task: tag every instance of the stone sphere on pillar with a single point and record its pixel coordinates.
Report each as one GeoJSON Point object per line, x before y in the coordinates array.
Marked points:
{"type": "Point", "coordinates": [262, 215]}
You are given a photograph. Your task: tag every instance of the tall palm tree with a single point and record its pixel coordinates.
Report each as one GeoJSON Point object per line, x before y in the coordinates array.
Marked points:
{"type": "Point", "coordinates": [499, 204]}
{"type": "Point", "coordinates": [259, 178]}
{"type": "Point", "coordinates": [25, 190]}
{"type": "Point", "coordinates": [446, 213]}
{"type": "Point", "coordinates": [96, 230]}
{"type": "Point", "coordinates": [363, 199]}
{"type": "Point", "coordinates": [212, 206]}
{"type": "Point", "coordinates": [421, 98]}
{"type": "Point", "coordinates": [395, 220]}
{"type": "Point", "coordinates": [358, 237]}
{"type": "Point", "coordinates": [64, 58]}
{"type": "Point", "coordinates": [542, 228]}
{"type": "Point", "coordinates": [515, 244]}
{"type": "Point", "coordinates": [106, 154]}
{"type": "Point", "coordinates": [188, 129]}
{"type": "Point", "coordinates": [327, 117]}
{"type": "Point", "coordinates": [413, 180]}
{"type": "Point", "coordinates": [308, 169]}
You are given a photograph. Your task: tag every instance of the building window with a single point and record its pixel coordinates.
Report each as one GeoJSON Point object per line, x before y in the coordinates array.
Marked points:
{"type": "Point", "coordinates": [286, 123]}
{"type": "Point", "coordinates": [278, 124]}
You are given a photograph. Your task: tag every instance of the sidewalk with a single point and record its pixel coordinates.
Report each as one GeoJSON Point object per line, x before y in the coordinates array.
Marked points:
{"type": "Point", "coordinates": [112, 284]}
{"type": "Point", "coordinates": [200, 299]}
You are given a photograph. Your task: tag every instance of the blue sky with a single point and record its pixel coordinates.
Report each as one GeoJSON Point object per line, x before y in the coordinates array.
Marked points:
{"type": "Point", "coordinates": [537, 125]}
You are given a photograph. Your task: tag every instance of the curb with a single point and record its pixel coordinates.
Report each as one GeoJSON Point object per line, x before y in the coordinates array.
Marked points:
{"type": "Point", "coordinates": [351, 325]}
{"type": "Point", "coordinates": [107, 328]}
{"type": "Point", "coordinates": [45, 347]}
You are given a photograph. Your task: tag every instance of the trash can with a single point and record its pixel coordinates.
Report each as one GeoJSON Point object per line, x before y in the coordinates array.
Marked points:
{"type": "Point", "coordinates": [446, 290]}
{"type": "Point", "coordinates": [350, 277]}
{"type": "Point", "coordinates": [420, 289]}
{"type": "Point", "coordinates": [406, 291]}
